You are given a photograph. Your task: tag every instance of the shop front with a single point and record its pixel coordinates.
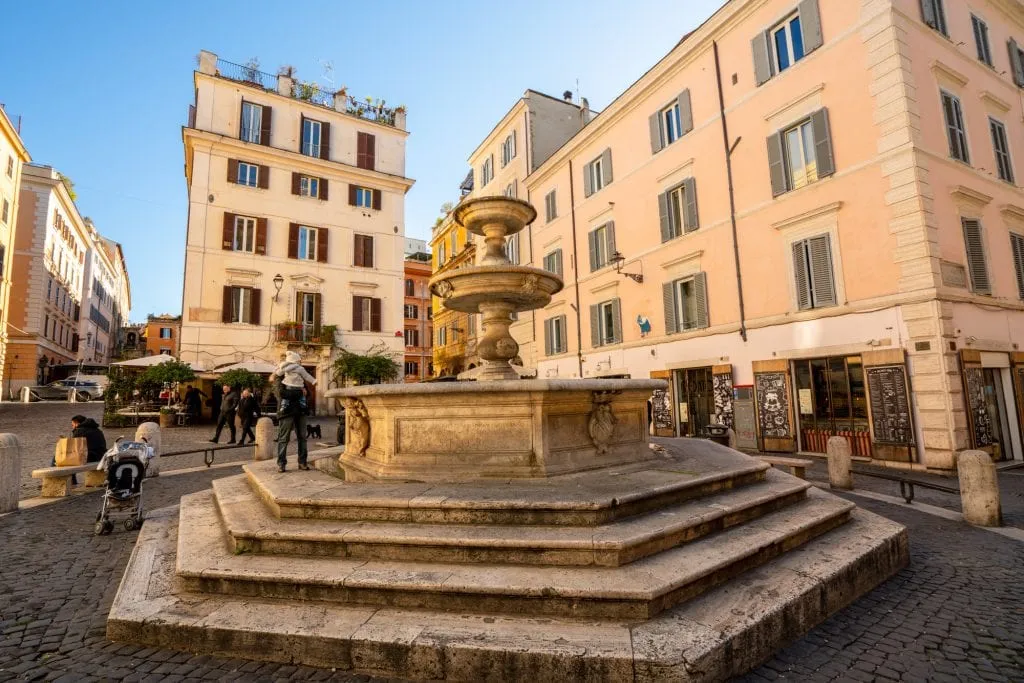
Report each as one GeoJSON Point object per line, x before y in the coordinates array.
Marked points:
{"type": "Point", "coordinates": [992, 388]}
{"type": "Point", "coordinates": [832, 401]}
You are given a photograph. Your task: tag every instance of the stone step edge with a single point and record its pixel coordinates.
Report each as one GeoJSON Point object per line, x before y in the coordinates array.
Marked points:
{"type": "Point", "coordinates": [724, 633]}
{"type": "Point", "coordinates": [251, 528]}
{"type": "Point", "coordinates": [632, 591]}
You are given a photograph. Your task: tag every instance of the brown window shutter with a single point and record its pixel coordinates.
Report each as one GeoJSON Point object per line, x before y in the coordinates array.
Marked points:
{"type": "Point", "coordinates": [352, 193]}
{"type": "Point", "coordinates": [361, 150]}
{"type": "Point", "coordinates": [261, 235]}
{"type": "Point", "coordinates": [229, 231]}
{"type": "Point", "coordinates": [232, 170]}
{"type": "Point", "coordinates": [293, 240]}
{"type": "Point", "coordinates": [325, 141]}
{"type": "Point", "coordinates": [265, 126]}
{"type": "Point", "coordinates": [263, 178]}
{"type": "Point", "coordinates": [241, 119]}
{"type": "Point", "coordinates": [302, 130]}
{"type": "Point", "coordinates": [375, 315]}
{"type": "Point", "coordinates": [357, 313]}
{"type": "Point", "coordinates": [376, 199]}
{"type": "Point", "coordinates": [323, 189]}
{"type": "Point", "coordinates": [254, 306]}
{"type": "Point", "coordinates": [317, 313]}
{"type": "Point", "coordinates": [321, 245]}
{"type": "Point", "coordinates": [357, 250]}
{"type": "Point", "coordinates": [225, 312]}
{"type": "Point", "coordinates": [296, 183]}
{"type": "Point", "coordinates": [368, 251]}
{"type": "Point", "coordinates": [371, 151]}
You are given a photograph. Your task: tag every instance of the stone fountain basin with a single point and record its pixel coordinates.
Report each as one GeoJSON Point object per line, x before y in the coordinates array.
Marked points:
{"type": "Point", "coordinates": [520, 287]}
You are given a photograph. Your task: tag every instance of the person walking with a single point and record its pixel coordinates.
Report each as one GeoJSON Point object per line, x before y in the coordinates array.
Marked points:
{"type": "Point", "coordinates": [228, 406]}
{"type": "Point", "coordinates": [194, 402]}
{"type": "Point", "coordinates": [291, 378]}
{"type": "Point", "coordinates": [249, 412]}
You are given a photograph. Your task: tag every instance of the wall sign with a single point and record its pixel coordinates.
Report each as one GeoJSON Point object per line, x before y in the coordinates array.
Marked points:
{"type": "Point", "coordinates": [772, 405]}
{"type": "Point", "coordinates": [721, 388]}
{"type": "Point", "coordinates": [890, 405]}
{"type": "Point", "coordinates": [974, 379]}
{"type": "Point", "coordinates": [661, 410]}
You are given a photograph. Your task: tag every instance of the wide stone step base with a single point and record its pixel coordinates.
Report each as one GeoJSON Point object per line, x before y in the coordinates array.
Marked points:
{"type": "Point", "coordinates": [252, 528]}
{"type": "Point", "coordinates": [724, 632]}
{"type": "Point", "coordinates": [638, 590]}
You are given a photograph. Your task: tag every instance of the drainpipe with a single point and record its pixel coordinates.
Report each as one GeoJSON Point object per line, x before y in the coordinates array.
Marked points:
{"type": "Point", "coordinates": [576, 274]}
{"type": "Point", "coordinates": [732, 196]}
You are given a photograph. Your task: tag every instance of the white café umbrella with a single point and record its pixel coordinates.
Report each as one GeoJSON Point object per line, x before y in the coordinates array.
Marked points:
{"type": "Point", "coordinates": [158, 359]}
{"type": "Point", "coordinates": [258, 366]}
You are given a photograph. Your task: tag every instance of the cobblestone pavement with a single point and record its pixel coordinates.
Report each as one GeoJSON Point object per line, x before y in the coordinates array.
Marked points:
{"type": "Point", "coordinates": [39, 425]}
{"type": "Point", "coordinates": [953, 614]}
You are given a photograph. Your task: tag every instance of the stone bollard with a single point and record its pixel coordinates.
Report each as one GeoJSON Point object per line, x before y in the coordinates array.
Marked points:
{"type": "Point", "coordinates": [150, 431]}
{"type": "Point", "coordinates": [264, 439]}
{"type": "Point", "coordinates": [732, 438]}
{"type": "Point", "coordinates": [840, 475]}
{"type": "Point", "coordinates": [10, 472]}
{"type": "Point", "coordinates": [979, 489]}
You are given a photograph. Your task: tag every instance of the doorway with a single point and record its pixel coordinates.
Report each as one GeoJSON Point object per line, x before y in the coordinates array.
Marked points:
{"type": "Point", "coordinates": [995, 408]}
{"type": "Point", "coordinates": [696, 400]}
{"type": "Point", "coordinates": [832, 401]}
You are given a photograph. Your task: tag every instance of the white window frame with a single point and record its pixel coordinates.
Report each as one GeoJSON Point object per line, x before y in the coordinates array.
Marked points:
{"type": "Point", "coordinates": [5, 213]}
{"type": "Point", "coordinates": [310, 148]}
{"type": "Point", "coordinates": [957, 127]}
{"type": "Point", "coordinates": [409, 333]}
{"type": "Point", "coordinates": [671, 124]}
{"type": "Point", "coordinates": [683, 319]}
{"type": "Point", "coordinates": [243, 238]}
{"type": "Point", "coordinates": [1004, 161]}
{"type": "Point", "coordinates": [677, 209]}
{"type": "Point", "coordinates": [442, 336]}
{"type": "Point", "coordinates": [167, 330]}
{"type": "Point", "coordinates": [512, 248]}
{"type": "Point", "coordinates": [510, 190]}
{"type": "Point", "coordinates": [557, 332]}
{"type": "Point", "coordinates": [412, 368]}
{"type": "Point", "coordinates": [309, 186]}
{"type": "Point", "coordinates": [440, 253]}
{"type": "Point", "coordinates": [596, 175]}
{"type": "Point", "coordinates": [604, 254]}
{"type": "Point", "coordinates": [412, 312]}
{"type": "Point", "coordinates": [254, 121]}
{"type": "Point", "coordinates": [808, 172]}
{"type": "Point", "coordinates": [551, 260]}
{"type": "Point", "coordinates": [550, 206]}
{"type": "Point", "coordinates": [241, 305]}
{"type": "Point", "coordinates": [248, 174]}
{"type": "Point", "coordinates": [487, 171]}
{"type": "Point", "coordinates": [310, 237]}
{"type": "Point", "coordinates": [508, 150]}
{"type": "Point", "coordinates": [364, 197]}
{"type": "Point", "coordinates": [606, 322]}
{"type": "Point", "coordinates": [786, 27]}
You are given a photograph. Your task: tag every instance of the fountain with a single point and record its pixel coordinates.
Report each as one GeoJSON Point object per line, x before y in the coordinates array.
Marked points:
{"type": "Point", "coordinates": [503, 529]}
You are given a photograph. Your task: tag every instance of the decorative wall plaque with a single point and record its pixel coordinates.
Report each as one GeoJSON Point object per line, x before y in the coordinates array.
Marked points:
{"type": "Point", "coordinates": [772, 405]}
{"type": "Point", "coordinates": [888, 395]}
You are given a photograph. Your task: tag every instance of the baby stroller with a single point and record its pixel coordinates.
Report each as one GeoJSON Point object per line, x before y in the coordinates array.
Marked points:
{"type": "Point", "coordinates": [125, 465]}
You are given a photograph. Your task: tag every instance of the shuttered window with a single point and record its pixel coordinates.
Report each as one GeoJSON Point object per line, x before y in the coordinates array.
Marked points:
{"type": "Point", "coordinates": [487, 170]}
{"type": "Point", "coordinates": [671, 122]}
{"type": "Point", "coordinates": [602, 245]}
{"type": "Point", "coordinates": [934, 14]}
{"type": "Point", "coordinates": [254, 123]}
{"type": "Point", "coordinates": [366, 151]}
{"type": "Point", "coordinates": [1017, 247]}
{"type": "Point", "coordinates": [801, 154]}
{"type": "Point", "coordinates": [787, 42]}
{"type": "Point", "coordinates": [553, 262]}
{"type": "Point", "coordinates": [312, 137]}
{"type": "Point", "coordinates": [550, 207]}
{"type": "Point", "coordinates": [606, 323]}
{"type": "Point", "coordinates": [363, 251]}
{"type": "Point", "coordinates": [956, 131]}
{"type": "Point", "coordinates": [686, 304]}
{"type": "Point", "coordinates": [554, 336]}
{"type": "Point", "coordinates": [241, 305]}
{"type": "Point", "coordinates": [677, 210]}
{"type": "Point", "coordinates": [598, 173]}
{"type": "Point", "coordinates": [1016, 62]}
{"type": "Point", "coordinates": [512, 249]}
{"type": "Point", "coordinates": [366, 314]}
{"type": "Point", "coordinates": [1001, 147]}
{"type": "Point", "coordinates": [508, 149]}
{"type": "Point", "coordinates": [981, 43]}
{"type": "Point", "coordinates": [812, 270]}
{"type": "Point", "coordinates": [974, 244]}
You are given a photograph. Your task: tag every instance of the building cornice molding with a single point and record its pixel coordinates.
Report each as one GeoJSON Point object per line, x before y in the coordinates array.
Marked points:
{"type": "Point", "coordinates": [1012, 213]}
{"type": "Point", "coordinates": [7, 126]}
{"type": "Point", "coordinates": [794, 102]}
{"type": "Point", "coordinates": [995, 101]}
{"type": "Point", "coordinates": [690, 256]}
{"type": "Point", "coordinates": [964, 195]}
{"type": "Point", "coordinates": [808, 216]}
{"type": "Point", "coordinates": [941, 69]}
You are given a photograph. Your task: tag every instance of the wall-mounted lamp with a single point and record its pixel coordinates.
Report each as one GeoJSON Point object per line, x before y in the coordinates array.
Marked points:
{"type": "Point", "coordinates": [618, 259]}
{"type": "Point", "coordinates": [278, 284]}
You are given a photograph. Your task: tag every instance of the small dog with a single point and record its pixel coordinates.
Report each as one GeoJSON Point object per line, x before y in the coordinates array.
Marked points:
{"type": "Point", "coordinates": [313, 431]}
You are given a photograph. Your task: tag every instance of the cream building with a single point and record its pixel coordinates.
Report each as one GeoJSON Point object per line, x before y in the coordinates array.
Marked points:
{"type": "Point", "coordinates": [807, 216]}
{"type": "Point", "coordinates": [100, 302]}
{"type": "Point", "coordinates": [296, 224]}
{"type": "Point", "coordinates": [121, 293]}
{"type": "Point", "coordinates": [47, 279]}
{"type": "Point", "coordinates": [13, 156]}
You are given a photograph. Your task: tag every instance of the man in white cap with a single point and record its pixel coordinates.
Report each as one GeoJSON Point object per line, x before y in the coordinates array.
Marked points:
{"type": "Point", "coordinates": [292, 413]}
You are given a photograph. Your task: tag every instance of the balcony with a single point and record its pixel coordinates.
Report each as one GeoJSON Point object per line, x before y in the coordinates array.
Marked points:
{"type": "Point", "coordinates": [306, 335]}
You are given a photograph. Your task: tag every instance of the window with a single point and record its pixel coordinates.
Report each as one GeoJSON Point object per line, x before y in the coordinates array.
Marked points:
{"type": "Point", "coordinates": [455, 242]}
{"type": "Point", "coordinates": [245, 234]}
{"type": "Point", "coordinates": [441, 258]}
{"type": "Point", "coordinates": [1017, 247]}
{"type": "Point", "coordinates": [554, 336]}
{"type": "Point", "coordinates": [677, 209]}
{"type": "Point", "coordinates": [442, 336]}
{"type": "Point", "coordinates": [247, 174]}
{"type": "Point", "coordinates": [410, 288]}
{"type": "Point", "coordinates": [975, 247]}
{"type": "Point", "coordinates": [309, 187]}
{"type": "Point", "coordinates": [165, 333]}
{"type": "Point", "coordinates": [686, 304]}
{"type": "Point", "coordinates": [10, 167]}
{"type": "Point", "coordinates": [412, 337]}
{"type": "Point", "coordinates": [307, 243]}
{"type": "Point", "coordinates": [3, 254]}
{"type": "Point", "coordinates": [307, 313]}
{"type": "Point", "coordinates": [1016, 62]}
{"type": "Point", "coordinates": [1002, 150]}
{"type": "Point", "coordinates": [812, 268]}
{"type": "Point", "coordinates": [366, 151]}
{"type": "Point", "coordinates": [553, 262]}
{"type": "Point", "coordinates": [801, 154]}
{"type": "Point", "coordinates": [510, 190]}
{"type": "Point", "coordinates": [5, 212]}
{"type": "Point", "coordinates": [252, 123]}
{"type": "Point", "coordinates": [487, 171]}
{"type": "Point", "coordinates": [241, 305]}
{"type": "Point", "coordinates": [471, 325]}
{"type": "Point", "coordinates": [597, 173]}
{"type": "Point", "coordinates": [364, 197]}
{"type": "Point", "coordinates": [606, 323]}
{"type": "Point", "coordinates": [955, 130]}
{"type": "Point", "coordinates": [508, 149]}
{"type": "Point", "coordinates": [934, 15]}
{"type": "Point", "coordinates": [787, 42]}
{"type": "Point", "coordinates": [311, 139]}
{"type": "Point", "coordinates": [981, 40]}
{"type": "Point", "coordinates": [412, 368]}
{"type": "Point", "coordinates": [363, 251]}
{"type": "Point", "coordinates": [512, 249]}
{"type": "Point", "coordinates": [412, 311]}
{"type": "Point", "coordinates": [366, 314]}
{"type": "Point", "coordinates": [550, 207]}
{"type": "Point", "coordinates": [602, 245]}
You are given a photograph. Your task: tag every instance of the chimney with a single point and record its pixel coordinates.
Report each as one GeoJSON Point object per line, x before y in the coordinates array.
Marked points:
{"type": "Point", "coordinates": [567, 96]}
{"type": "Point", "coordinates": [584, 111]}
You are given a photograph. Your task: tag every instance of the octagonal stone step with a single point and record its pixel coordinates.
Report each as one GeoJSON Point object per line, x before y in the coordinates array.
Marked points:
{"type": "Point", "coordinates": [251, 528]}
{"type": "Point", "coordinates": [638, 590]}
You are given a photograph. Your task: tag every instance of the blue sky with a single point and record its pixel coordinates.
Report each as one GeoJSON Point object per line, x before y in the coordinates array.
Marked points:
{"type": "Point", "coordinates": [103, 88]}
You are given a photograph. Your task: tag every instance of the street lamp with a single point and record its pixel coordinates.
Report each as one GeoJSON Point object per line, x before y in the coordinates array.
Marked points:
{"type": "Point", "coordinates": [278, 284]}
{"type": "Point", "coordinates": [617, 258]}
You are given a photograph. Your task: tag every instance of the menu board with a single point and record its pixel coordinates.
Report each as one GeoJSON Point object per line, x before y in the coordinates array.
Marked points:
{"type": "Point", "coordinates": [721, 386]}
{"type": "Point", "coordinates": [980, 419]}
{"type": "Point", "coordinates": [772, 405]}
{"type": "Point", "coordinates": [890, 405]}
{"type": "Point", "coordinates": [661, 410]}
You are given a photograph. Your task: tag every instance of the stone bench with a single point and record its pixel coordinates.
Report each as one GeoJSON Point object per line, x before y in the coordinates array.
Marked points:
{"type": "Point", "coordinates": [57, 480]}
{"type": "Point", "coordinates": [797, 466]}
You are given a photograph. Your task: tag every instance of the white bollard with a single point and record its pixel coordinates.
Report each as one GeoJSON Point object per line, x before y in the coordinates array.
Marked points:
{"type": "Point", "coordinates": [979, 489]}
{"type": "Point", "coordinates": [265, 439]}
{"type": "Point", "coordinates": [840, 475]}
{"type": "Point", "coordinates": [10, 472]}
{"type": "Point", "coordinates": [150, 431]}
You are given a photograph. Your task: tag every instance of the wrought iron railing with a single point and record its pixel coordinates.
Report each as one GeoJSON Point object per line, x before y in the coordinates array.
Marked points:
{"type": "Point", "coordinates": [305, 334]}
{"type": "Point", "coordinates": [246, 74]}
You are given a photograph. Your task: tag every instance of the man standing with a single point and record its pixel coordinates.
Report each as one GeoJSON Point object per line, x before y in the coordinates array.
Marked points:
{"type": "Point", "coordinates": [248, 411]}
{"type": "Point", "coordinates": [227, 414]}
{"type": "Point", "coordinates": [292, 411]}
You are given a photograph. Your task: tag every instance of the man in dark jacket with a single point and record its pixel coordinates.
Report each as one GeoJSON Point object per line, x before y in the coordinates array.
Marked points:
{"type": "Point", "coordinates": [227, 414]}
{"type": "Point", "coordinates": [249, 412]}
{"type": "Point", "coordinates": [87, 428]}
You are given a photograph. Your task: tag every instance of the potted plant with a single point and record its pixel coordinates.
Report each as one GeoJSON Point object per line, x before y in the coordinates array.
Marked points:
{"type": "Point", "coordinates": [167, 414]}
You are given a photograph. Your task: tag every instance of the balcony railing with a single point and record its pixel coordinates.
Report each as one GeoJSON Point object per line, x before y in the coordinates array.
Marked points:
{"type": "Point", "coordinates": [290, 333]}
{"type": "Point", "coordinates": [246, 74]}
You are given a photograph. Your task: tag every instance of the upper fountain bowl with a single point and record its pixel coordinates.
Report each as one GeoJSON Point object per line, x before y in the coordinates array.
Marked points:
{"type": "Point", "coordinates": [489, 214]}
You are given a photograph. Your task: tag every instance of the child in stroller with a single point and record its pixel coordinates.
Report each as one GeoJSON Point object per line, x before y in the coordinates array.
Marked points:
{"type": "Point", "coordinates": [125, 465]}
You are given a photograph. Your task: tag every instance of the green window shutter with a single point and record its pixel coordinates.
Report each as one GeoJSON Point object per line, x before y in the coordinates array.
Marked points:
{"type": "Point", "coordinates": [777, 165]}
{"type": "Point", "coordinates": [1017, 246]}
{"type": "Point", "coordinates": [606, 166]}
{"type": "Point", "coordinates": [592, 239]}
{"type": "Point", "coordinates": [823, 287]}
{"type": "Point", "coordinates": [668, 298]}
{"type": "Point", "coordinates": [1016, 63]}
{"type": "Point", "coordinates": [595, 326]}
{"type": "Point", "coordinates": [823, 143]}
{"type": "Point", "coordinates": [663, 215]}
{"type": "Point", "coordinates": [762, 58]}
{"type": "Point", "coordinates": [587, 189]}
{"type": "Point", "coordinates": [810, 23]}
{"type": "Point", "coordinates": [976, 265]}
{"type": "Point", "coordinates": [616, 321]}
{"type": "Point", "coordinates": [700, 291]}
{"type": "Point", "coordinates": [803, 285]}
{"type": "Point", "coordinates": [654, 123]}
{"type": "Point", "coordinates": [685, 112]}
{"type": "Point", "coordinates": [691, 221]}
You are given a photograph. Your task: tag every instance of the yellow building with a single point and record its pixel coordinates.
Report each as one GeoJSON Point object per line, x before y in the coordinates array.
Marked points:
{"type": "Point", "coordinates": [454, 332]}
{"type": "Point", "coordinates": [12, 156]}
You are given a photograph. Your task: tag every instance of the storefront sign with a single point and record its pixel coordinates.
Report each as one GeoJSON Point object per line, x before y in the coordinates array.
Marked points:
{"type": "Point", "coordinates": [890, 405]}
{"type": "Point", "coordinates": [772, 405]}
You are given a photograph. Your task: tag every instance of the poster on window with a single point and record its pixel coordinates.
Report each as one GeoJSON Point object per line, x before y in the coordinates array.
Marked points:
{"type": "Point", "coordinates": [772, 405]}
{"type": "Point", "coordinates": [890, 405]}
{"type": "Point", "coordinates": [974, 379]}
{"type": "Point", "coordinates": [721, 387]}
{"type": "Point", "coordinates": [661, 410]}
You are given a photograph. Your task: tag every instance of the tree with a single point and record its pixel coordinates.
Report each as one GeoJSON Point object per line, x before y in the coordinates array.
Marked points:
{"type": "Point", "coordinates": [240, 377]}
{"type": "Point", "coordinates": [168, 372]}
{"type": "Point", "coordinates": [69, 184]}
{"type": "Point", "coordinates": [377, 366]}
